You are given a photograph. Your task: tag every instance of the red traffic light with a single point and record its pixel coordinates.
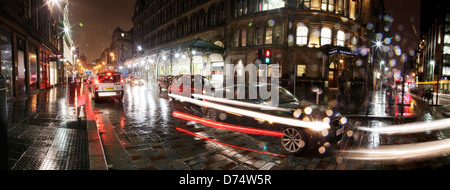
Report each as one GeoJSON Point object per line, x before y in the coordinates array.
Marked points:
{"type": "Point", "coordinates": [268, 53]}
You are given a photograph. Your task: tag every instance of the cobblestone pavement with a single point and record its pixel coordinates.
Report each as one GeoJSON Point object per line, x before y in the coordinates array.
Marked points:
{"type": "Point", "coordinates": [44, 134]}
{"type": "Point", "coordinates": [154, 140]}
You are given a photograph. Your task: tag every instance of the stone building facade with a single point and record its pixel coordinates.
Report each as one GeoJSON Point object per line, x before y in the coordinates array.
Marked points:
{"type": "Point", "coordinates": [313, 41]}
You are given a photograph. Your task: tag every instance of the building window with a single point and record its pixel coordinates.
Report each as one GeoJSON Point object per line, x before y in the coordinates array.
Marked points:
{"type": "Point", "coordinates": [325, 36]}
{"type": "Point", "coordinates": [259, 36]}
{"type": "Point", "coordinates": [301, 69]}
{"type": "Point", "coordinates": [328, 5]}
{"type": "Point", "coordinates": [447, 50]}
{"type": "Point", "coordinates": [236, 39]}
{"type": "Point", "coordinates": [244, 38]}
{"type": "Point", "coordinates": [352, 10]}
{"type": "Point", "coordinates": [303, 4]}
{"type": "Point", "coordinates": [244, 7]}
{"type": "Point", "coordinates": [447, 39]}
{"type": "Point", "coordinates": [302, 35]}
{"type": "Point", "coordinates": [269, 34]}
{"type": "Point", "coordinates": [264, 5]}
{"type": "Point", "coordinates": [340, 38]}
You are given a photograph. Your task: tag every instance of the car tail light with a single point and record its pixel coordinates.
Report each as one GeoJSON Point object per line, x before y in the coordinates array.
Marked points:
{"type": "Point", "coordinates": [121, 80]}
{"type": "Point", "coordinates": [108, 74]}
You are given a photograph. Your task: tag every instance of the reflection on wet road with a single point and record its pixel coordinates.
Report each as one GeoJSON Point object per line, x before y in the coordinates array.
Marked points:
{"type": "Point", "coordinates": [154, 139]}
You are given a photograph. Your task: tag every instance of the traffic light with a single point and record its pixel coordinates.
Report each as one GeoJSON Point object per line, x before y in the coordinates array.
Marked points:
{"type": "Point", "coordinates": [267, 56]}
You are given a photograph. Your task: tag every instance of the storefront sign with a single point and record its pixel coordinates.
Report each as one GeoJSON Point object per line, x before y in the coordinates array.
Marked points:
{"type": "Point", "coordinates": [340, 51]}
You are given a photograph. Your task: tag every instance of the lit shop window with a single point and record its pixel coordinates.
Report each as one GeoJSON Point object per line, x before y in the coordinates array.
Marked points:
{"type": "Point", "coordinates": [325, 36]}
{"type": "Point", "coordinates": [301, 69]}
{"type": "Point", "coordinates": [302, 35]}
{"type": "Point", "coordinates": [340, 38]}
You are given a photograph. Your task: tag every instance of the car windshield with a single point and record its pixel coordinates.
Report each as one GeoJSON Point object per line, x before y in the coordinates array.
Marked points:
{"type": "Point", "coordinates": [111, 78]}
{"type": "Point", "coordinates": [284, 96]}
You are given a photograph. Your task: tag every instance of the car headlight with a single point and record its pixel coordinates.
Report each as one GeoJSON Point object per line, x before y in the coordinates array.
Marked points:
{"type": "Point", "coordinates": [308, 110]}
{"type": "Point", "coordinates": [297, 113]}
{"type": "Point", "coordinates": [326, 120]}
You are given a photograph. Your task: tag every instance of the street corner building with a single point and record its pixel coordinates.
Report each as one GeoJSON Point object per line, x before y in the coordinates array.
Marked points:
{"type": "Point", "coordinates": [313, 41]}
{"type": "Point", "coordinates": [32, 41]}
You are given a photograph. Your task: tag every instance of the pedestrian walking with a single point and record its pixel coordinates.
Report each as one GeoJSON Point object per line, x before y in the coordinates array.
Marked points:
{"type": "Point", "coordinates": [79, 98]}
{"type": "Point", "coordinates": [342, 81]}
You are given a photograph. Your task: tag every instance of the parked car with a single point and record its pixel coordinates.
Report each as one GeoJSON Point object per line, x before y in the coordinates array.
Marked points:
{"type": "Point", "coordinates": [108, 85]}
{"type": "Point", "coordinates": [164, 81]}
{"type": "Point", "coordinates": [295, 139]}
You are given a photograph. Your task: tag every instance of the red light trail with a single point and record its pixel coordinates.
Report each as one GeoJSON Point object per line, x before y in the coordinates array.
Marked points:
{"type": "Point", "coordinates": [219, 125]}
{"type": "Point", "coordinates": [225, 144]}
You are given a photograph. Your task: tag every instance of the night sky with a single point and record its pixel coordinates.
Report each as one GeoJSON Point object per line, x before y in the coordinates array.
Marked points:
{"type": "Point", "coordinates": [406, 24]}
{"type": "Point", "coordinates": [101, 17]}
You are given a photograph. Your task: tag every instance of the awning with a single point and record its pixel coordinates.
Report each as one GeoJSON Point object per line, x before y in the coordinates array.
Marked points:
{"type": "Point", "coordinates": [330, 50]}
{"type": "Point", "coordinates": [199, 45]}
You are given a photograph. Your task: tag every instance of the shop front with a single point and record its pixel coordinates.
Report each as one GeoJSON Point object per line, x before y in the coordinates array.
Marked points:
{"type": "Point", "coordinates": [44, 67]}
{"type": "Point", "coordinates": [6, 58]}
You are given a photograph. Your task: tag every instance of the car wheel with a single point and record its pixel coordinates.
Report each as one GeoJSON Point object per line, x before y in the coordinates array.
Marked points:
{"type": "Point", "coordinates": [293, 141]}
{"type": "Point", "coordinates": [211, 114]}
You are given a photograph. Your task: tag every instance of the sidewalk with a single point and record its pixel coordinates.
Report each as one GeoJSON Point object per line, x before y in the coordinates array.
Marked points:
{"type": "Point", "coordinates": [44, 133]}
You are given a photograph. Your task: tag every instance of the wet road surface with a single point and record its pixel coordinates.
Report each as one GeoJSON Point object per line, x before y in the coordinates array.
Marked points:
{"type": "Point", "coordinates": [141, 133]}
{"type": "Point", "coordinates": [154, 140]}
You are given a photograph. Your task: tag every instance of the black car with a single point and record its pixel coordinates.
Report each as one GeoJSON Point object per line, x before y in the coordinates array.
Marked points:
{"type": "Point", "coordinates": [303, 124]}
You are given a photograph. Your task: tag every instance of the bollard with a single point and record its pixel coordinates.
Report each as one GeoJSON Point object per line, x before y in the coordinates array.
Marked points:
{"type": "Point", "coordinates": [3, 125]}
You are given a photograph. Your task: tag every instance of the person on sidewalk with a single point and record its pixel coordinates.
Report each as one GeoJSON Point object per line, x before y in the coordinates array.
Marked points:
{"type": "Point", "coordinates": [80, 98]}
{"type": "Point", "coordinates": [342, 82]}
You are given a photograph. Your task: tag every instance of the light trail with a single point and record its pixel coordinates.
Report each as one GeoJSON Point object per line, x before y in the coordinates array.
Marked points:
{"type": "Point", "coordinates": [399, 152]}
{"type": "Point", "coordinates": [418, 127]}
{"type": "Point", "coordinates": [219, 125]}
{"type": "Point", "coordinates": [239, 103]}
{"type": "Point", "coordinates": [318, 126]}
{"type": "Point", "coordinates": [225, 144]}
